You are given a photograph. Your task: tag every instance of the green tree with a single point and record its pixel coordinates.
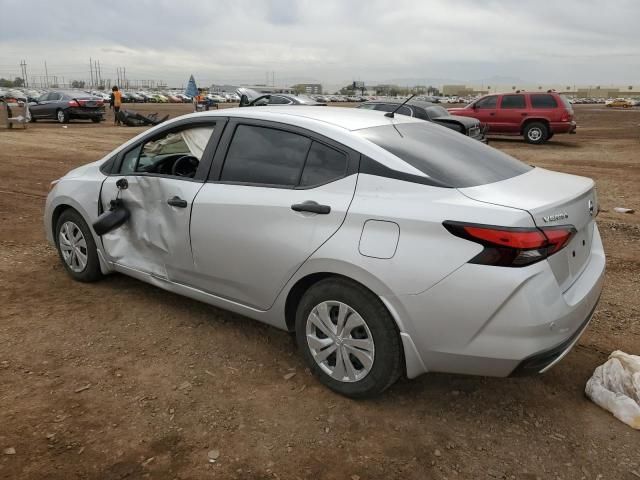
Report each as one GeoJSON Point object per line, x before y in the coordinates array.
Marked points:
{"type": "Point", "coordinates": [18, 82]}
{"type": "Point", "coordinates": [77, 84]}
{"type": "Point", "coordinates": [5, 83]}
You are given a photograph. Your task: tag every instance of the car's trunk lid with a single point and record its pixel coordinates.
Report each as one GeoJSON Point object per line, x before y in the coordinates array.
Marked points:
{"type": "Point", "coordinates": [552, 199]}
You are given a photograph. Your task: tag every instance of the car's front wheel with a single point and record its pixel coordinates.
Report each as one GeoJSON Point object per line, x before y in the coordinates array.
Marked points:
{"type": "Point", "coordinates": [348, 338]}
{"type": "Point", "coordinates": [76, 247]}
{"type": "Point", "coordinates": [536, 133]}
{"type": "Point", "coordinates": [62, 116]}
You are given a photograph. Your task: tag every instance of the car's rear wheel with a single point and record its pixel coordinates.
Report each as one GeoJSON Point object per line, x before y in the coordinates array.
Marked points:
{"type": "Point", "coordinates": [536, 133]}
{"type": "Point", "coordinates": [348, 338]}
{"type": "Point", "coordinates": [76, 247]}
{"type": "Point", "coordinates": [62, 116]}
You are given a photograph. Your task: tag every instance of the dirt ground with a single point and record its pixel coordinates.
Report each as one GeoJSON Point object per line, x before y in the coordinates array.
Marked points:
{"type": "Point", "coordinates": [119, 379]}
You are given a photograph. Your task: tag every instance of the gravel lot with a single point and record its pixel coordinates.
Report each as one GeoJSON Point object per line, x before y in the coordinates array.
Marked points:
{"type": "Point", "coordinates": [119, 379]}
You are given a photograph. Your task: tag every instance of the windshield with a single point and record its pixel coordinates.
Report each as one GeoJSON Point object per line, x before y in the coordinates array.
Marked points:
{"type": "Point", "coordinates": [437, 111]}
{"type": "Point", "coordinates": [445, 155]}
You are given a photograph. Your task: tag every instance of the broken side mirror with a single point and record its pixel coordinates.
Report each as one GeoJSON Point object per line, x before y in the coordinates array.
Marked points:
{"type": "Point", "coordinates": [244, 100]}
{"type": "Point", "coordinates": [122, 184]}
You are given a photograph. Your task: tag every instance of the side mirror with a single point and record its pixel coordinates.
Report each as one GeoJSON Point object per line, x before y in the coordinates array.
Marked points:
{"type": "Point", "coordinates": [244, 100]}
{"type": "Point", "coordinates": [122, 184]}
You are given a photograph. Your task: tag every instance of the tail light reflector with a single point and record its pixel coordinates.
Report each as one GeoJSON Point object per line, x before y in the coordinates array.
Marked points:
{"type": "Point", "coordinates": [73, 103]}
{"type": "Point", "coordinates": [512, 247]}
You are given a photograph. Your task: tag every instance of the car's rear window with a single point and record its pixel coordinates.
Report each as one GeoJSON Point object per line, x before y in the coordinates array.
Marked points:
{"type": "Point", "coordinates": [567, 103]}
{"type": "Point", "coordinates": [445, 156]}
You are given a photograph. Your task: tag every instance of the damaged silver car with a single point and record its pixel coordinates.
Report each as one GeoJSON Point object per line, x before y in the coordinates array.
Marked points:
{"type": "Point", "coordinates": [389, 244]}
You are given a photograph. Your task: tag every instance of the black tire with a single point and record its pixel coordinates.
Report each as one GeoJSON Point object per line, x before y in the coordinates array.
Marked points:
{"type": "Point", "coordinates": [387, 361]}
{"type": "Point", "coordinates": [62, 116]}
{"type": "Point", "coordinates": [96, 120]}
{"type": "Point", "coordinates": [33, 120]}
{"type": "Point", "coordinates": [550, 136]}
{"type": "Point", "coordinates": [536, 133]}
{"type": "Point", "coordinates": [91, 271]}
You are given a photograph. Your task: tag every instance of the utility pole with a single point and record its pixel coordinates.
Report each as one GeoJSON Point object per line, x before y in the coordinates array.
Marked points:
{"type": "Point", "coordinates": [46, 73]}
{"type": "Point", "coordinates": [91, 73]}
{"type": "Point", "coordinates": [124, 76]}
{"type": "Point", "coordinates": [99, 74]}
{"type": "Point", "coordinates": [23, 68]}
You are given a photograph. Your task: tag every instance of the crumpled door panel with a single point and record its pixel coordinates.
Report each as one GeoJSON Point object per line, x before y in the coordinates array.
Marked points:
{"type": "Point", "coordinates": [155, 238]}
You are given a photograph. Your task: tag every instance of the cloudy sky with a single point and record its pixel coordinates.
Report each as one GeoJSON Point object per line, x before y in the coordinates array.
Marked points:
{"type": "Point", "coordinates": [329, 41]}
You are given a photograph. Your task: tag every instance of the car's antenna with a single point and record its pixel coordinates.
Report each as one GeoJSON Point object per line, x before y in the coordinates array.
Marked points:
{"type": "Point", "coordinates": [390, 114]}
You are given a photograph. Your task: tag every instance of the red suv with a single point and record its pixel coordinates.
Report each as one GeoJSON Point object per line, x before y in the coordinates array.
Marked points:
{"type": "Point", "coordinates": [537, 116]}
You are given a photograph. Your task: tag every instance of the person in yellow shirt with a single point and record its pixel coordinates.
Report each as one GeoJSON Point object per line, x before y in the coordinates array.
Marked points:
{"type": "Point", "coordinates": [115, 102]}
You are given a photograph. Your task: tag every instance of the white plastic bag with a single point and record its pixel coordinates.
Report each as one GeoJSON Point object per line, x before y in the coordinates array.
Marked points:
{"type": "Point", "coordinates": [615, 386]}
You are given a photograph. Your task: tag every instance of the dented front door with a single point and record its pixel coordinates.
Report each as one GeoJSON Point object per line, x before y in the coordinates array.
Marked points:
{"type": "Point", "coordinates": [155, 239]}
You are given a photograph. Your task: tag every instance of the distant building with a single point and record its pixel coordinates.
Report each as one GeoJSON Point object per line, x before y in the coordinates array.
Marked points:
{"type": "Point", "coordinates": [308, 88]}
{"type": "Point", "coordinates": [597, 92]}
{"type": "Point", "coordinates": [462, 91]}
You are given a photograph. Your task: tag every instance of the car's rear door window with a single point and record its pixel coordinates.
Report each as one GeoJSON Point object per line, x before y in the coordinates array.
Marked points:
{"type": "Point", "coordinates": [265, 156]}
{"type": "Point", "coordinates": [513, 101]}
{"type": "Point", "coordinates": [278, 100]}
{"type": "Point", "coordinates": [324, 164]}
{"type": "Point", "coordinates": [449, 159]}
{"type": "Point", "coordinates": [543, 100]}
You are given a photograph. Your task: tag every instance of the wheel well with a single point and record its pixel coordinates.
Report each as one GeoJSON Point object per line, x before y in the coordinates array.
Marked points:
{"type": "Point", "coordinates": [56, 215]}
{"type": "Point", "coordinates": [534, 120]}
{"type": "Point", "coordinates": [301, 287]}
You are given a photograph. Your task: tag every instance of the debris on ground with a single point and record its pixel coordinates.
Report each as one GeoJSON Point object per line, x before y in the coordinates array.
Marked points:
{"type": "Point", "coordinates": [213, 455]}
{"type": "Point", "coordinates": [615, 386]}
{"type": "Point", "coordinates": [9, 451]}
{"type": "Point", "coordinates": [623, 210]}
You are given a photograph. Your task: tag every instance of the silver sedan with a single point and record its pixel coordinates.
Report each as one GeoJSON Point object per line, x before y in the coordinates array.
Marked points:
{"type": "Point", "coordinates": [390, 245]}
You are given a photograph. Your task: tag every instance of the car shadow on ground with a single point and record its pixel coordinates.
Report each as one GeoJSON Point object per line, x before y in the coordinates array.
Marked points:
{"type": "Point", "coordinates": [518, 140]}
{"type": "Point", "coordinates": [435, 389]}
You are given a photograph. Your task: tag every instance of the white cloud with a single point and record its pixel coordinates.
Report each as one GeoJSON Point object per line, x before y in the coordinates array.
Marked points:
{"type": "Point", "coordinates": [330, 41]}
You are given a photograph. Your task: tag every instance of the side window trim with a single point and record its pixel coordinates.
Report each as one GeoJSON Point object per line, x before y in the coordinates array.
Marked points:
{"type": "Point", "coordinates": [204, 167]}
{"type": "Point", "coordinates": [353, 157]}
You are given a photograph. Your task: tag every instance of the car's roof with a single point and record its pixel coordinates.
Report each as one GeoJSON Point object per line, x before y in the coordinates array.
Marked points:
{"type": "Point", "coordinates": [342, 117]}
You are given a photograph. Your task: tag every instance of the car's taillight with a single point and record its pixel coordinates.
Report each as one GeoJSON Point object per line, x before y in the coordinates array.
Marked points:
{"type": "Point", "coordinates": [512, 247]}
{"type": "Point", "coordinates": [73, 103]}
{"type": "Point", "coordinates": [566, 116]}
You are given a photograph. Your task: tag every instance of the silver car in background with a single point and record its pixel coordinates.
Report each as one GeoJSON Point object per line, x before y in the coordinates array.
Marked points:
{"type": "Point", "coordinates": [390, 246]}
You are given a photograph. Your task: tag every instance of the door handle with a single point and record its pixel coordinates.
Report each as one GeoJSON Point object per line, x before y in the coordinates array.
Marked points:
{"type": "Point", "coordinates": [312, 207]}
{"type": "Point", "coordinates": [177, 202]}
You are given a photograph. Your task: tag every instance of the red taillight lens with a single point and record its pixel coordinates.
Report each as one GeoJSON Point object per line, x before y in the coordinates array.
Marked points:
{"type": "Point", "coordinates": [512, 247]}
{"type": "Point", "coordinates": [566, 116]}
{"type": "Point", "coordinates": [73, 103]}
{"type": "Point", "coordinates": [557, 237]}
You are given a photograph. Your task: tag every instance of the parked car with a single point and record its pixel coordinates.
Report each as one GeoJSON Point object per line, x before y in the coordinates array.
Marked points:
{"type": "Point", "coordinates": [389, 246]}
{"type": "Point", "coordinates": [67, 105]}
{"type": "Point", "coordinates": [537, 116]}
{"type": "Point", "coordinates": [251, 98]}
{"type": "Point", "coordinates": [432, 113]}
{"type": "Point", "coordinates": [619, 102]}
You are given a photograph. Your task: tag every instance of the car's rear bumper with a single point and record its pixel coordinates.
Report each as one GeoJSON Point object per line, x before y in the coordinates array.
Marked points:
{"type": "Point", "coordinates": [563, 127]}
{"type": "Point", "coordinates": [485, 320]}
{"type": "Point", "coordinates": [85, 112]}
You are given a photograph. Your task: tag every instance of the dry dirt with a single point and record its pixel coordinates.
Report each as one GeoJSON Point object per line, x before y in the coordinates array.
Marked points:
{"type": "Point", "coordinates": [119, 379]}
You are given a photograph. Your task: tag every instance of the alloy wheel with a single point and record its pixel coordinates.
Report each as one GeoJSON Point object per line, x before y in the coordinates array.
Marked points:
{"type": "Point", "coordinates": [73, 246]}
{"type": "Point", "coordinates": [61, 116]}
{"type": "Point", "coordinates": [535, 134]}
{"type": "Point", "coordinates": [340, 341]}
